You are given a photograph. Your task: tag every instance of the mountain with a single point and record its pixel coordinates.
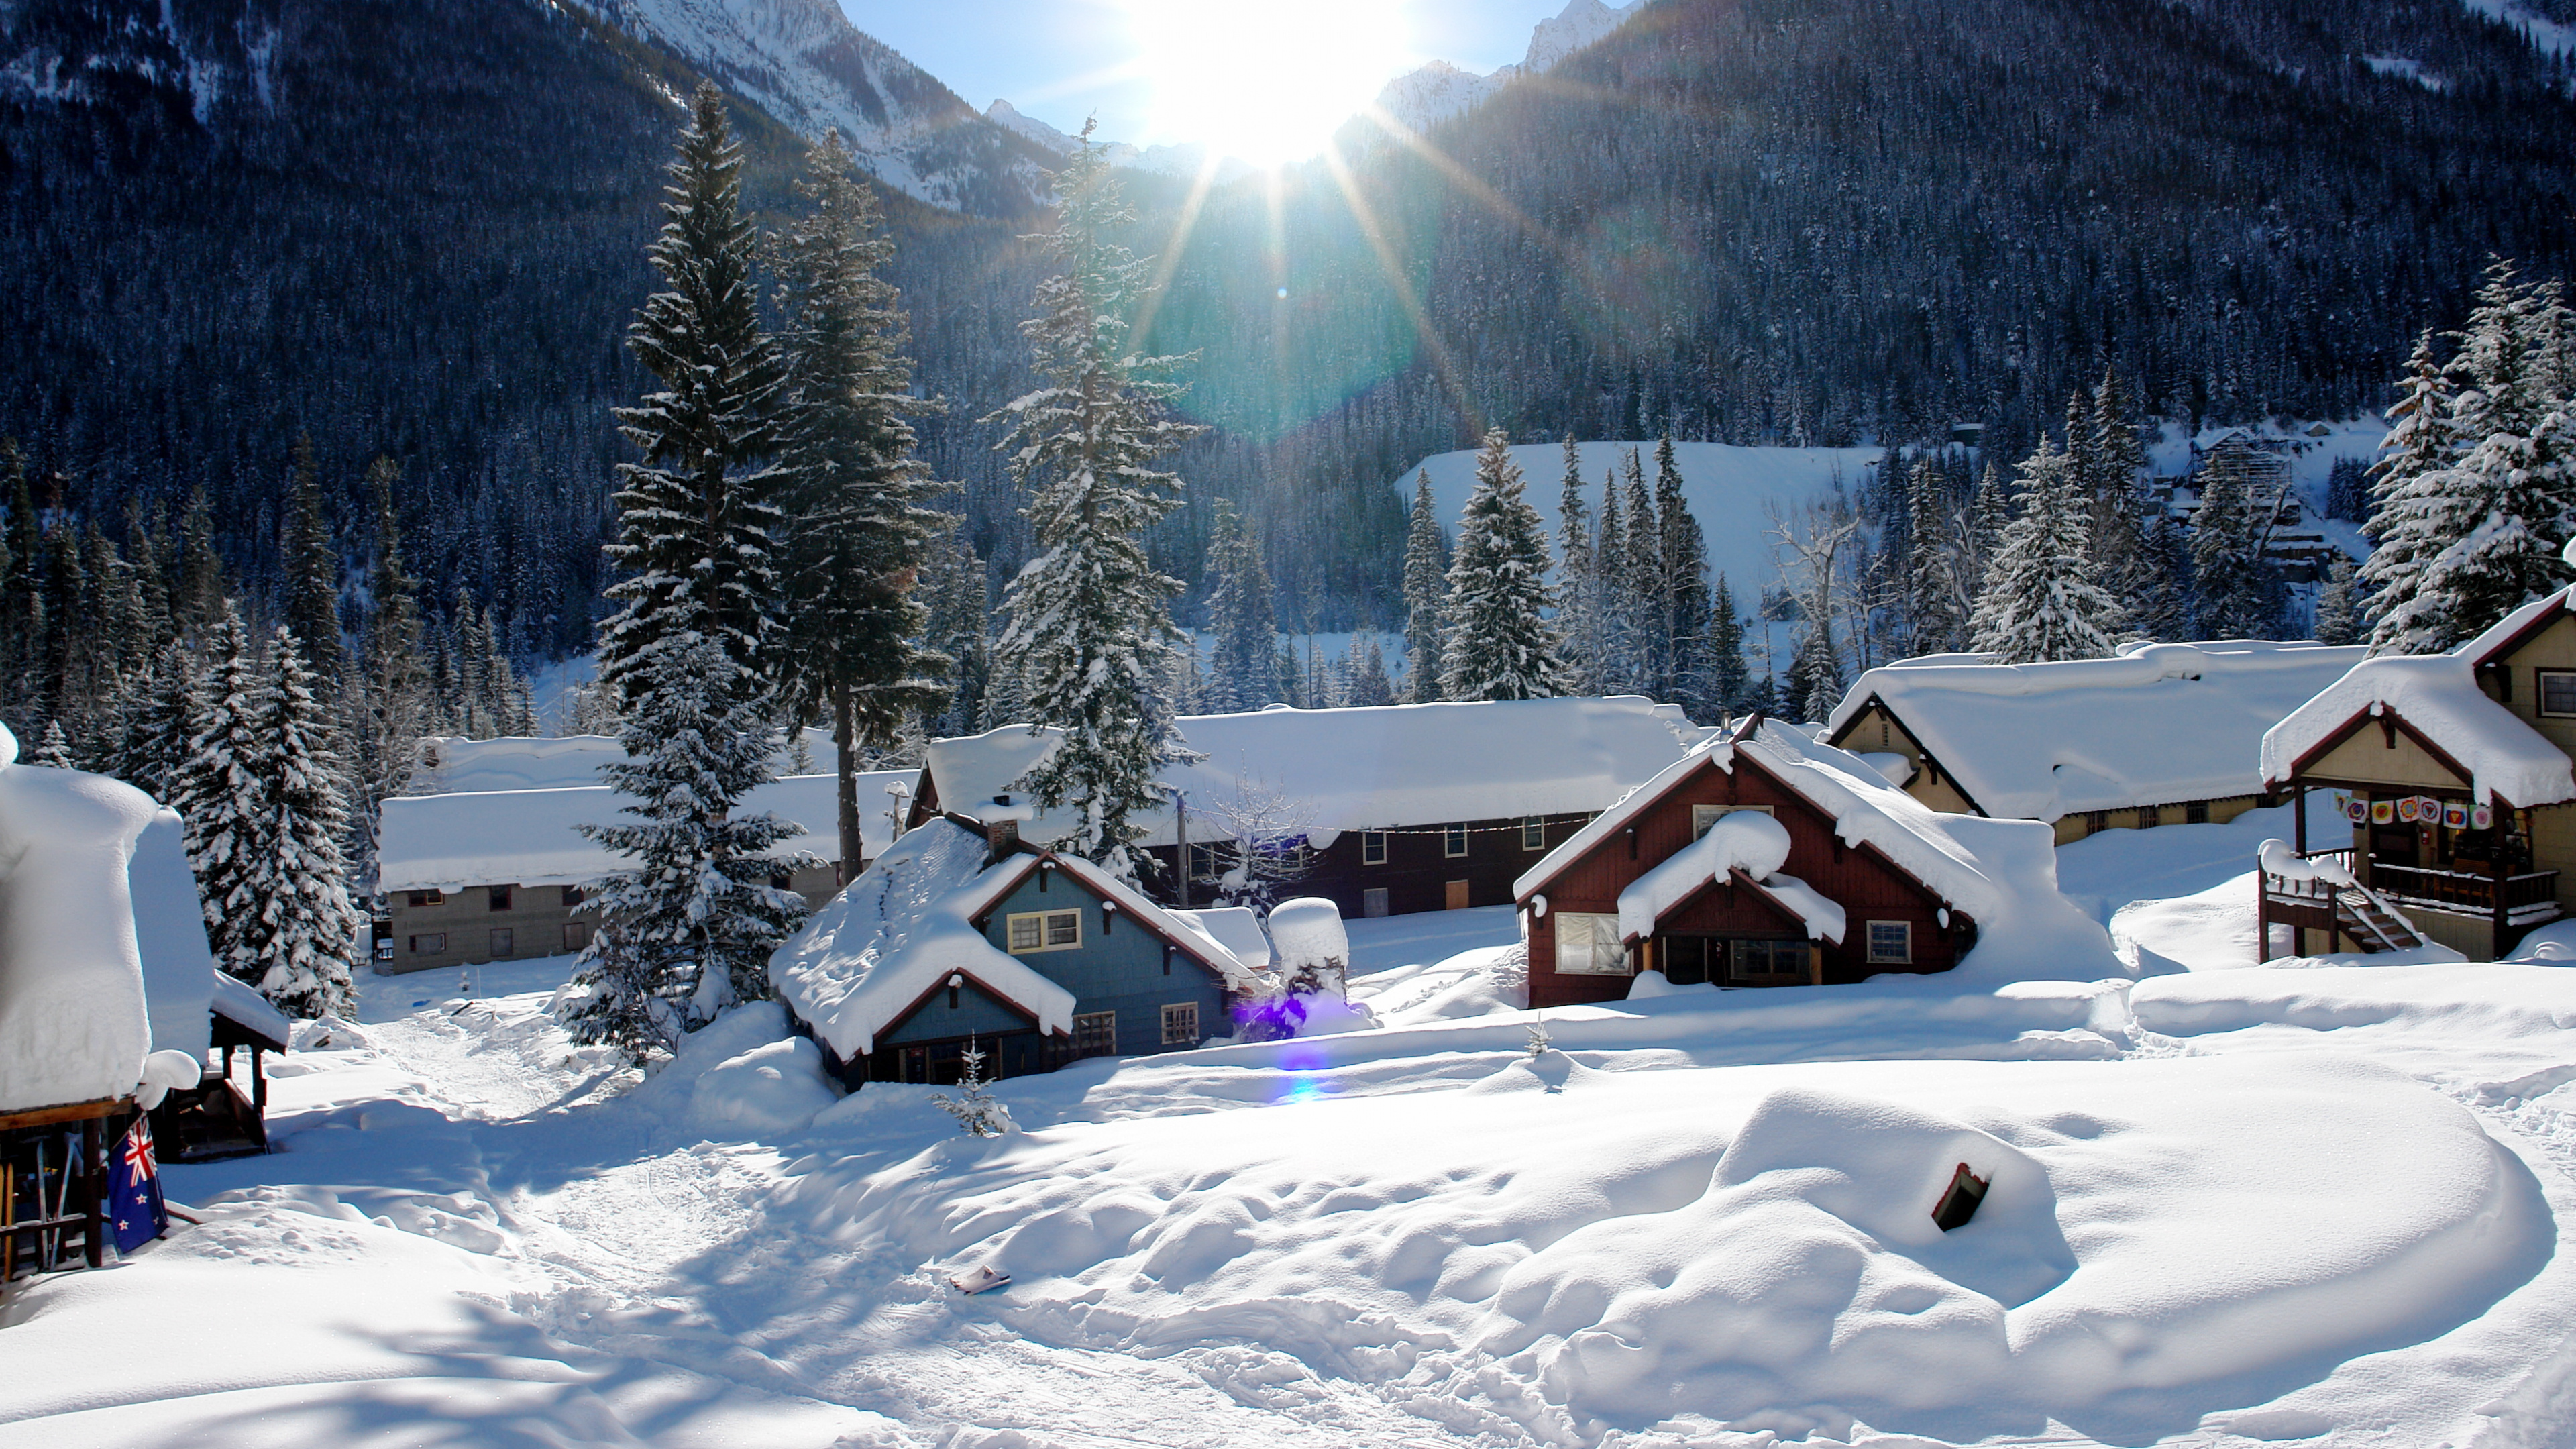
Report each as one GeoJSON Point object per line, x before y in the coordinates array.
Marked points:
{"type": "Point", "coordinates": [1181, 161]}
{"type": "Point", "coordinates": [1425, 97]}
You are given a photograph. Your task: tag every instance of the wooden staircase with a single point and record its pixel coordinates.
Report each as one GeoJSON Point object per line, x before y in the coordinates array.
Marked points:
{"type": "Point", "coordinates": [2330, 900]}
{"type": "Point", "coordinates": [2373, 924]}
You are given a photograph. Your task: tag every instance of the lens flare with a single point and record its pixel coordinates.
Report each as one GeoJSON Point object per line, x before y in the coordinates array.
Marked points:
{"type": "Point", "coordinates": [1264, 80]}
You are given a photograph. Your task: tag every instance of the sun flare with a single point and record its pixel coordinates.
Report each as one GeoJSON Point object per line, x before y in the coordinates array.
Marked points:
{"type": "Point", "coordinates": [1265, 80]}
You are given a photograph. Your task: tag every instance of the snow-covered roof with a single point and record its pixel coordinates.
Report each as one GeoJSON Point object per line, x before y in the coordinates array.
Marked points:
{"type": "Point", "coordinates": [170, 935]}
{"type": "Point", "coordinates": [908, 922]}
{"type": "Point", "coordinates": [73, 1026]}
{"type": "Point", "coordinates": [2157, 724]}
{"type": "Point", "coordinates": [1376, 768]}
{"type": "Point", "coordinates": [532, 837]}
{"type": "Point", "coordinates": [451, 764]}
{"type": "Point", "coordinates": [1744, 840]}
{"type": "Point", "coordinates": [1236, 928]}
{"type": "Point", "coordinates": [235, 1001]}
{"type": "Point", "coordinates": [2437, 695]}
{"type": "Point", "coordinates": [1865, 809]}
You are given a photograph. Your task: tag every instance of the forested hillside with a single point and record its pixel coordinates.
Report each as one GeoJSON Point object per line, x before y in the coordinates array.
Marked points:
{"type": "Point", "coordinates": [418, 229]}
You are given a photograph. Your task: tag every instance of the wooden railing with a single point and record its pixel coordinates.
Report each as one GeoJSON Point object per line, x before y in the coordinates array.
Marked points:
{"type": "Point", "coordinates": [2457, 890]}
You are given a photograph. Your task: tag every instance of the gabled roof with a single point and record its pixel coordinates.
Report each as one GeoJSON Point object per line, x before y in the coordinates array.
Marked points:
{"type": "Point", "coordinates": [2516, 629]}
{"type": "Point", "coordinates": [1376, 768]}
{"type": "Point", "coordinates": [533, 837]}
{"type": "Point", "coordinates": [237, 1003]}
{"type": "Point", "coordinates": [1865, 809]}
{"type": "Point", "coordinates": [451, 764]}
{"type": "Point", "coordinates": [2157, 724]}
{"type": "Point", "coordinates": [893, 936]}
{"type": "Point", "coordinates": [2437, 698]}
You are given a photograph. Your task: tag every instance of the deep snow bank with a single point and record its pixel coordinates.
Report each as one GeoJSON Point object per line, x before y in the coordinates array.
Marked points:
{"type": "Point", "coordinates": [1743, 1241]}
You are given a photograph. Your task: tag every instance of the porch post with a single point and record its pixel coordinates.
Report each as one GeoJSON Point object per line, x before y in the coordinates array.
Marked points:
{"type": "Point", "coordinates": [2503, 916]}
{"type": "Point", "coordinates": [2262, 917]}
{"type": "Point", "coordinates": [93, 1178]}
{"type": "Point", "coordinates": [2299, 816]}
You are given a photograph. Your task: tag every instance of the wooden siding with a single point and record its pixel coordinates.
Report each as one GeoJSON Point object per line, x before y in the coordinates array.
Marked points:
{"type": "Point", "coordinates": [2374, 754]}
{"type": "Point", "coordinates": [535, 919]}
{"type": "Point", "coordinates": [1864, 883]}
{"type": "Point", "coordinates": [2553, 648]}
{"type": "Point", "coordinates": [1877, 730]}
{"type": "Point", "coordinates": [1124, 969]}
{"type": "Point", "coordinates": [1417, 871]}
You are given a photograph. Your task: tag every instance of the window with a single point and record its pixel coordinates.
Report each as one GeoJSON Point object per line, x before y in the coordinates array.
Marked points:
{"type": "Point", "coordinates": [1765, 960]}
{"type": "Point", "coordinates": [425, 898]}
{"type": "Point", "coordinates": [1891, 943]}
{"type": "Point", "coordinates": [434, 944]}
{"type": "Point", "coordinates": [783, 881]}
{"type": "Point", "coordinates": [385, 949]}
{"type": "Point", "coordinates": [1373, 902]}
{"type": "Point", "coordinates": [1453, 840]}
{"type": "Point", "coordinates": [2096, 821]}
{"type": "Point", "coordinates": [2149, 817]}
{"type": "Point", "coordinates": [1181, 1024]}
{"type": "Point", "coordinates": [1704, 816]}
{"type": "Point", "coordinates": [505, 942]}
{"type": "Point", "coordinates": [1043, 931]}
{"type": "Point", "coordinates": [1204, 864]}
{"type": "Point", "coordinates": [501, 897]}
{"type": "Point", "coordinates": [1533, 833]}
{"type": "Point", "coordinates": [1095, 1034]}
{"type": "Point", "coordinates": [1372, 847]}
{"type": "Point", "coordinates": [576, 936]}
{"type": "Point", "coordinates": [2195, 812]}
{"type": "Point", "coordinates": [2558, 691]}
{"type": "Point", "coordinates": [1588, 945]}
{"type": "Point", "coordinates": [571, 897]}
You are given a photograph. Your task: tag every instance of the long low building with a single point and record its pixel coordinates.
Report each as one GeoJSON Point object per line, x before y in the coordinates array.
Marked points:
{"type": "Point", "coordinates": [2161, 734]}
{"type": "Point", "coordinates": [1386, 810]}
{"type": "Point", "coordinates": [494, 875]}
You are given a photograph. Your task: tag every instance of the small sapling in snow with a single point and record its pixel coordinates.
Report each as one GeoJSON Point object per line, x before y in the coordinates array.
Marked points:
{"type": "Point", "coordinates": [1540, 1043]}
{"type": "Point", "coordinates": [977, 1114]}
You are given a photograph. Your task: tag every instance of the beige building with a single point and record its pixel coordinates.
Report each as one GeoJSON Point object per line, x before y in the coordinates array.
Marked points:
{"type": "Point", "coordinates": [2160, 734]}
{"type": "Point", "coordinates": [2455, 774]}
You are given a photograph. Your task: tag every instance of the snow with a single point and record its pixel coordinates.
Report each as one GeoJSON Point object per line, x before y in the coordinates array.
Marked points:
{"type": "Point", "coordinates": [451, 764]}
{"type": "Point", "coordinates": [2438, 695]}
{"type": "Point", "coordinates": [2551, 37]}
{"type": "Point", "coordinates": [1423, 98]}
{"type": "Point", "coordinates": [1377, 768]}
{"type": "Point", "coordinates": [2159, 724]}
{"type": "Point", "coordinates": [1234, 928]}
{"type": "Point", "coordinates": [1727, 488]}
{"type": "Point", "coordinates": [1747, 840]}
{"type": "Point", "coordinates": [1307, 931]}
{"type": "Point", "coordinates": [533, 837]}
{"type": "Point", "coordinates": [236, 1002]}
{"type": "Point", "coordinates": [170, 938]}
{"type": "Point", "coordinates": [73, 1023]}
{"type": "Point", "coordinates": [2405, 69]}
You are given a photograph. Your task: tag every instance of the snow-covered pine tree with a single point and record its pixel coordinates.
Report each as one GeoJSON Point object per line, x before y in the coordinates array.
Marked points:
{"type": "Point", "coordinates": [1931, 588]}
{"type": "Point", "coordinates": [859, 525]}
{"type": "Point", "coordinates": [305, 931]}
{"type": "Point", "coordinates": [961, 611]}
{"type": "Point", "coordinates": [1243, 634]}
{"type": "Point", "coordinates": [1682, 584]}
{"type": "Point", "coordinates": [2413, 517]}
{"type": "Point", "coordinates": [1578, 580]}
{"type": "Point", "coordinates": [311, 606]}
{"type": "Point", "coordinates": [221, 791]}
{"type": "Point", "coordinates": [54, 750]}
{"type": "Point", "coordinates": [2119, 462]}
{"type": "Point", "coordinates": [1088, 618]}
{"type": "Point", "coordinates": [687, 929]}
{"type": "Point", "coordinates": [202, 592]}
{"type": "Point", "coordinates": [1614, 598]}
{"type": "Point", "coordinates": [2040, 602]}
{"type": "Point", "coordinates": [1990, 512]}
{"type": "Point", "coordinates": [2163, 610]}
{"type": "Point", "coordinates": [1369, 684]}
{"type": "Point", "coordinates": [2339, 605]}
{"type": "Point", "coordinates": [393, 703]}
{"type": "Point", "coordinates": [1728, 683]}
{"type": "Point", "coordinates": [1500, 643]}
{"type": "Point", "coordinates": [1426, 590]}
{"type": "Point", "coordinates": [2241, 595]}
{"type": "Point", "coordinates": [1816, 671]}
{"type": "Point", "coordinates": [699, 516]}
{"type": "Point", "coordinates": [158, 714]}
{"type": "Point", "coordinates": [1637, 590]}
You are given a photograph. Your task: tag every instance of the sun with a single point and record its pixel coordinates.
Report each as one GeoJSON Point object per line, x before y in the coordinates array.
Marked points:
{"type": "Point", "coordinates": [1267, 81]}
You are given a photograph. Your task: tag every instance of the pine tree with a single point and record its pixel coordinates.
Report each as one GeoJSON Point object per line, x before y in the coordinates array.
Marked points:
{"type": "Point", "coordinates": [699, 516]}
{"type": "Point", "coordinates": [1426, 592]}
{"type": "Point", "coordinates": [1637, 590]}
{"type": "Point", "coordinates": [393, 696]}
{"type": "Point", "coordinates": [1990, 512]}
{"type": "Point", "coordinates": [861, 527]}
{"type": "Point", "coordinates": [202, 591]}
{"type": "Point", "coordinates": [1682, 580]}
{"type": "Point", "coordinates": [158, 713]}
{"type": "Point", "coordinates": [1614, 599]}
{"type": "Point", "coordinates": [1578, 580]}
{"type": "Point", "coordinates": [2241, 594]}
{"type": "Point", "coordinates": [688, 928]}
{"type": "Point", "coordinates": [1816, 671]}
{"type": "Point", "coordinates": [2040, 602]}
{"type": "Point", "coordinates": [1727, 673]}
{"type": "Point", "coordinates": [960, 615]}
{"type": "Point", "coordinates": [305, 928]}
{"type": "Point", "coordinates": [221, 791]}
{"type": "Point", "coordinates": [54, 750]}
{"type": "Point", "coordinates": [1243, 634]}
{"type": "Point", "coordinates": [1500, 642]}
{"type": "Point", "coordinates": [2339, 605]}
{"type": "Point", "coordinates": [312, 602]}
{"type": "Point", "coordinates": [22, 599]}
{"type": "Point", "coordinates": [62, 666]}
{"type": "Point", "coordinates": [1369, 684]}
{"type": "Point", "coordinates": [1088, 621]}
{"type": "Point", "coordinates": [1931, 590]}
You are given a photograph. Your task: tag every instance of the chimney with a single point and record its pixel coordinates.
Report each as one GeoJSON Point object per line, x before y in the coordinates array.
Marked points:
{"type": "Point", "coordinates": [1001, 835]}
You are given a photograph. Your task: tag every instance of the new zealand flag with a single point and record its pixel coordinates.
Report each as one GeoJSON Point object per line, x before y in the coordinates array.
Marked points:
{"type": "Point", "coordinates": [134, 1191]}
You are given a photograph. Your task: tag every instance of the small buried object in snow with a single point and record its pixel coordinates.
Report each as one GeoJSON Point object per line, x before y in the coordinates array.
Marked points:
{"type": "Point", "coordinates": [1959, 1202]}
{"type": "Point", "coordinates": [982, 1280]}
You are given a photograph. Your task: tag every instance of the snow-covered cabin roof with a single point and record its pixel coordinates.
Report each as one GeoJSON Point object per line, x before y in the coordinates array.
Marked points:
{"type": "Point", "coordinates": [2438, 697]}
{"type": "Point", "coordinates": [532, 837]}
{"type": "Point", "coordinates": [1236, 928]}
{"type": "Point", "coordinates": [73, 1026]}
{"type": "Point", "coordinates": [2157, 724]}
{"type": "Point", "coordinates": [908, 922]}
{"type": "Point", "coordinates": [451, 764]}
{"type": "Point", "coordinates": [170, 936]}
{"type": "Point", "coordinates": [1376, 768]}
{"type": "Point", "coordinates": [1865, 809]}
{"type": "Point", "coordinates": [235, 1001]}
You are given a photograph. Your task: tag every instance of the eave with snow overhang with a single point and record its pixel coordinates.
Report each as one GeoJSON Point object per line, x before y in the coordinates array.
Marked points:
{"type": "Point", "coordinates": [2457, 766]}
{"type": "Point", "coordinates": [1397, 808]}
{"type": "Point", "coordinates": [1841, 876]}
{"type": "Point", "coordinates": [924, 954]}
{"type": "Point", "coordinates": [2160, 734]}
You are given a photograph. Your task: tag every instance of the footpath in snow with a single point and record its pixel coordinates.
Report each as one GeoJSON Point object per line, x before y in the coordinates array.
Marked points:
{"type": "Point", "coordinates": [2226, 1207]}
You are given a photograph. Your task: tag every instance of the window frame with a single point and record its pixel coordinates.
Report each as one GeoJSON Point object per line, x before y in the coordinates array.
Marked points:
{"type": "Point", "coordinates": [1533, 832]}
{"type": "Point", "coordinates": [2195, 812]}
{"type": "Point", "coordinates": [576, 936]}
{"type": "Point", "coordinates": [1869, 938]}
{"type": "Point", "coordinates": [1374, 896]}
{"type": "Point", "coordinates": [500, 897]}
{"type": "Point", "coordinates": [437, 946]}
{"type": "Point", "coordinates": [1594, 944]}
{"type": "Point", "coordinates": [1372, 847]}
{"type": "Point", "coordinates": [505, 941]}
{"type": "Point", "coordinates": [1717, 813]}
{"type": "Point", "coordinates": [421, 900]}
{"type": "Point", "coordinates": [1453, 835]}
{"type": "Point", "coordinates": [2540, 683]}
{"type": "Point", "coordinates": [1045, 927]}
{"type": "Point", "coordinates": [1771, 946]}
{"type": "Point", "coordinates": [1181, 1011]}
{"type": "Point", "coordinates": [1099, 1027]}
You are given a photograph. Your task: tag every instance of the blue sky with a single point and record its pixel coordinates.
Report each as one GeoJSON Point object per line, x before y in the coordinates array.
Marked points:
{"type": "Point", "coordinates": [1058, 60]}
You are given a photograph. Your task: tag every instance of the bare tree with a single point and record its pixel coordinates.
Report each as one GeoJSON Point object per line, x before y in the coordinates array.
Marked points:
{"type": "Point", "coordinates": [1258, 835]}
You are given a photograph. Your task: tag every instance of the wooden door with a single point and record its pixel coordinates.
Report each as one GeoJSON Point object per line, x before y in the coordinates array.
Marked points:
{"type": "Point", "coordinates": [1457, 896]}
